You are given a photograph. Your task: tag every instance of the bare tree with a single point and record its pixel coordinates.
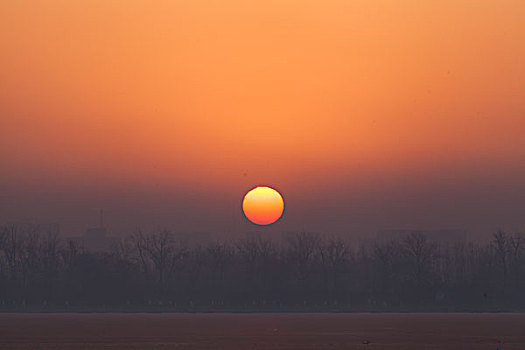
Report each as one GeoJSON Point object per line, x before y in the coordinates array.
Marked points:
{"type": "Point", "coordinates": [221, 256]}
{"type": "Point", "coordinates": [158, 254]}
{"type": "Point", "coordinates": [13, 246]}
{"type": "Point", "coordinates": [302, 249]}
{"type": "Point", "coordinates": [261, 258]}
{"type": "Point", "coordinates": [516, 247]}
{"type": "Point", "coordinates": [420, 254]}
{"type": "Point", "coordinates": [501, 244]}
{"type": "Point", "coordinates": [385, 254]}
{"type": "Point", "coordinates": [334, 257]}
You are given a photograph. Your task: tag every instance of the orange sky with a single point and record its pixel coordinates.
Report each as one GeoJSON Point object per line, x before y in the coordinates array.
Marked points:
{"type": "Point", "coordinates": [221, 96]}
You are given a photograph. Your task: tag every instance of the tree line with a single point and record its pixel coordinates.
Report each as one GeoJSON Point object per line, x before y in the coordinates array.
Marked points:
{"type": "Point", "coordinates": [157, 271]}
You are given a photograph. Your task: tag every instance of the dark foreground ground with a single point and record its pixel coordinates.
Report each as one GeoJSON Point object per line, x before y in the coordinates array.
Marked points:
{"type": "Point", "coordinates": [263, 331]}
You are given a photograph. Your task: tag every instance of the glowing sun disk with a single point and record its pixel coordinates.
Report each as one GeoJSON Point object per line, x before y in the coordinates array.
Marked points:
{"type": "Point", "coordinates": [263, 205]}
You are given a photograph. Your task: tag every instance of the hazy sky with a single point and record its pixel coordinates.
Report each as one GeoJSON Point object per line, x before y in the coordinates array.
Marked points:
{"type": "Point", "coordinates": [364, 114]}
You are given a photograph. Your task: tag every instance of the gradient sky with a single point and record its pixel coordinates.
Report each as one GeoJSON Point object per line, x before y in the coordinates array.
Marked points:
{"type": "Point", "coordinates": [365, 114]}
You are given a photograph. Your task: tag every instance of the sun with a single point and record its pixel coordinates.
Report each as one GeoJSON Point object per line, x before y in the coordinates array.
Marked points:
{"type": "Point", "coordinates": [263, 205]}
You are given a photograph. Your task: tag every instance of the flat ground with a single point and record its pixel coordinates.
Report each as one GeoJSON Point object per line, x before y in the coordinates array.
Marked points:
{"type": "Point", "coordinates": [263, 331]}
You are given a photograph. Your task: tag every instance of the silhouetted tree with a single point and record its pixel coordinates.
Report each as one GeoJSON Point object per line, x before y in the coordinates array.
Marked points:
{"type": "Point", "coordinates": [160, 271]}
{"type": "Point", "coordinates": [334, 257]}
{"type": "Point", "coordinates": [501, 244]}
{"type": "Point", "coordinates": [419, 254]}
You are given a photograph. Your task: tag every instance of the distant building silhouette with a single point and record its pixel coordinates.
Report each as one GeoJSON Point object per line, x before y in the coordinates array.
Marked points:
{"type": "Point", "coordinates": [96, 239]}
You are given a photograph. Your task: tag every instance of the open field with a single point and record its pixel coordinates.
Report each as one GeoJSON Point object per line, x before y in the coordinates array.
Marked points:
{"type": "Point", "coordinates": [262, 331]}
